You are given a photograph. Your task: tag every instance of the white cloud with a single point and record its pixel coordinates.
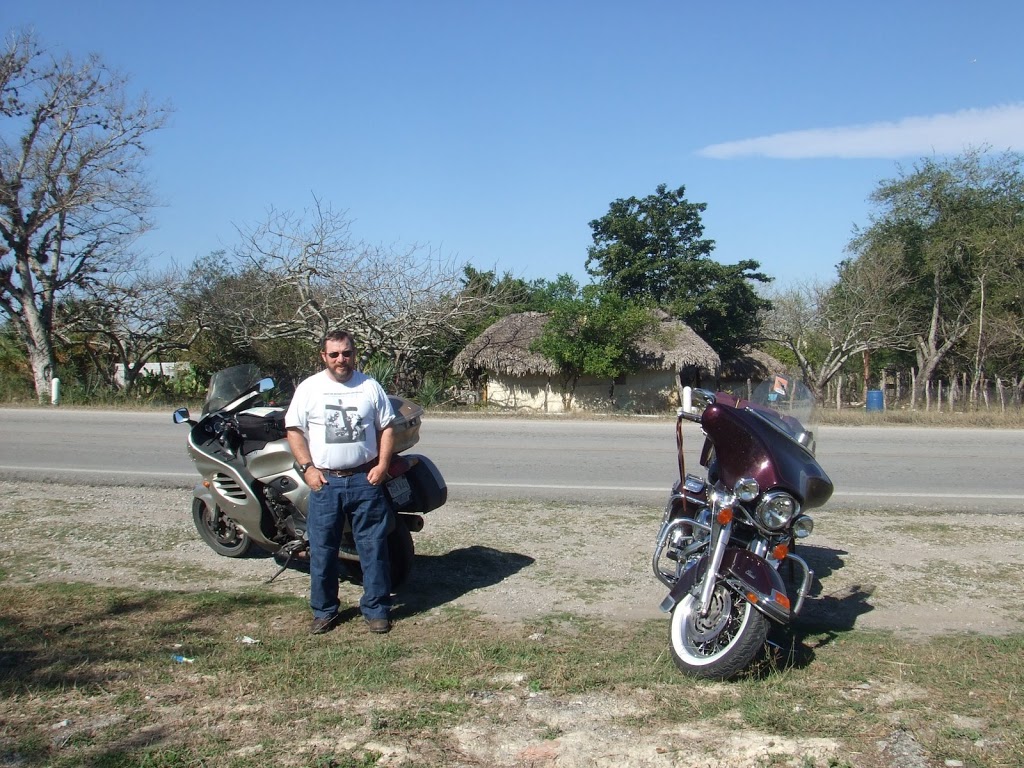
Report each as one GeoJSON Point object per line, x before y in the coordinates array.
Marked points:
{"type": "Point", "coordinates": [1001, 128]}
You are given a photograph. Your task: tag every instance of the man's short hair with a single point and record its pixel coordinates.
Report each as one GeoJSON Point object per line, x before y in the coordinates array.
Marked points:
{"type": "Point", "coordinates": [337, 335]}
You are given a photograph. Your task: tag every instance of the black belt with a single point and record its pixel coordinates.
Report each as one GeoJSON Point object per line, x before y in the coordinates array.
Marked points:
{"type": "Point", "coordinates": [361, 469]}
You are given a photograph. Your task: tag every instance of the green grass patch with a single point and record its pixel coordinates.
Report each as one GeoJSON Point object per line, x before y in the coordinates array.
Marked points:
{"type": "Point", "coordinates": [87, 678]}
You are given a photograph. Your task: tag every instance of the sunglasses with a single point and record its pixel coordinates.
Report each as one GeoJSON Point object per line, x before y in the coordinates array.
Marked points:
{"type": "Point", "coordinates": [343, 353]}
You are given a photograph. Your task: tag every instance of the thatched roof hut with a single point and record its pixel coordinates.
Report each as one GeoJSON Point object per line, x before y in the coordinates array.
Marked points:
{"type": "Point", "coordinates": [753, 364]}
{"type": "Point", "coordinates": [505, 348]}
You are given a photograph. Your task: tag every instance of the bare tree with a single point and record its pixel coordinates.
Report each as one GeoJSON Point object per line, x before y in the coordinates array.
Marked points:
{"type": "Point", "coordinates": [129, 319]}
{"type": "Point", "coordinates": [824, 325]}
{"type": "Point", "coordinates": [73, 194]}
{"type": "Point", "coordinates": [306, 274]}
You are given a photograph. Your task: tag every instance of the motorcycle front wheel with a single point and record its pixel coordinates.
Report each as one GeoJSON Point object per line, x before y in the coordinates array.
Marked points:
{"type": "Point", "coordinates": [720, 645]}
{"type": "Point", "coordinates": [219, 531]}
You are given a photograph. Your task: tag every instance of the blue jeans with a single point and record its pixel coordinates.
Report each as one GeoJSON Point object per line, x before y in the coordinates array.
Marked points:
{"type": "Point", "coordinates": [370, 513]}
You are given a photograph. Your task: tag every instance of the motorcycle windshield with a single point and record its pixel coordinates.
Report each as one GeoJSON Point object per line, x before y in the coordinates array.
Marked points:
{"type": "Point", "coordinates": [749, 445]}
{"type": "Point", "coordinates": [230, 384]}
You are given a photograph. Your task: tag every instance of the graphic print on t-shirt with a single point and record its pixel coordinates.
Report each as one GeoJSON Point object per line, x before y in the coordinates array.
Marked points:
{"type": "Point", "coordinates": [343, 425]}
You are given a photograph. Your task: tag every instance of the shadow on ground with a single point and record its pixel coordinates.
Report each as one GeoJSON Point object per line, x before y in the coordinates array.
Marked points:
{"type": "Point", "coordinates": [437, 580]}
{"type": "Point", "coordinates": [824, 616]}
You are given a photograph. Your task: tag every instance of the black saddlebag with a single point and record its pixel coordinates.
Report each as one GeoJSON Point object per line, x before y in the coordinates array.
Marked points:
{"type": "Point", "coordinates": [259, 427]}
{"type": "Point", "coordinates": [419, 490]}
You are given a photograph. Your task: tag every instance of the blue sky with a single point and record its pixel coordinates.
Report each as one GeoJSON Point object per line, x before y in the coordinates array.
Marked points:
{"type": "Point", "coordinates": [493, 132]}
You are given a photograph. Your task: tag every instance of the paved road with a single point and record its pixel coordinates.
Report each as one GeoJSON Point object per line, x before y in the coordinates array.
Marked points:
{"type": "Point", "coordinates": [561, 460]}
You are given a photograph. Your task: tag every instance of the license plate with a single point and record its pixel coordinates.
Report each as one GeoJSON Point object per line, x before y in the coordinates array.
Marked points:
{"type": "Point", "coordinates": [400, 491]}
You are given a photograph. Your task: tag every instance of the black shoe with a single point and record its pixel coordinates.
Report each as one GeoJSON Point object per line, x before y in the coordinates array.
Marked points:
{"type": "Point", "coordinates": [319, 626]}
{"type": "Point", "coordinates": [380, 626]}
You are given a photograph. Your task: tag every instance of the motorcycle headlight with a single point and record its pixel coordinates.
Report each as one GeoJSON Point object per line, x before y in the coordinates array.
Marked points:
{"type": "Point", "coordinates": [803, 526]}
{"type": "Point", "coordinates": [746, 489]}
{"type": "Point", "coordinates": [776, 509]}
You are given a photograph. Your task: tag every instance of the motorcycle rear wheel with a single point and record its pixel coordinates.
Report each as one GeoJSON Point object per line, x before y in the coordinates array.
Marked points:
{"type": "Point", "coordinates": [401, 552]}
{"type": "Point", "coordinates": [219, 531]}
{"type": "Point", "coordinates": [722, 644]}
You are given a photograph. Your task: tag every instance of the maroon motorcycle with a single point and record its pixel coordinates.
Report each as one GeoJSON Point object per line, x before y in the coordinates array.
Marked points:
{"type": "Point", "coordinates": [724, 537]}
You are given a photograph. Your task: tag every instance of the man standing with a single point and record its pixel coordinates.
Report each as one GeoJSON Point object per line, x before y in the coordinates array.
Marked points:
{"type": "Point", "coordinates": [339, 430]}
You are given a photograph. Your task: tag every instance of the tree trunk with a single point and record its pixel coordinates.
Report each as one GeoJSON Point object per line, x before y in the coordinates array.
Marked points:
{"type": "Point", "coordinates": [38, 349]}
{"type": "Point", "coordinates": [866, 358]}
{"type": "Point", "coordinates": [41, 361]}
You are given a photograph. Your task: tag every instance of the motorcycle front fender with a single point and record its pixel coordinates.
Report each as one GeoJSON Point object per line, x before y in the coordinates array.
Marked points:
{"type": "Point", "coordinates": [757, 581]}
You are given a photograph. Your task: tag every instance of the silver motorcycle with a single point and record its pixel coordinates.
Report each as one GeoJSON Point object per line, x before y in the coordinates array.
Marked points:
{"type": "Point", "coordinates": [252, 494]}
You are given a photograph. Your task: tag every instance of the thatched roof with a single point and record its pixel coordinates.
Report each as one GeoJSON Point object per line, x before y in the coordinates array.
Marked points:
{"type": "Point", "coordinates": [674, 345]}
{"type": "Point", "coordinates": [751, 364]}
{"type": "Point", "coordinates": [505, 348]}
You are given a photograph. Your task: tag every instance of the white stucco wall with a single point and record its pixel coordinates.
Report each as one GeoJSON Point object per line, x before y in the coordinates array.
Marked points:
{"type": "Point", "coordinates": [645, 392]}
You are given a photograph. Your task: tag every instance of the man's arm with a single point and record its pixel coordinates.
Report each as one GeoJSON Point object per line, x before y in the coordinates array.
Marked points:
{"type": "Point", "coordinates": [385, 451]}
{"type": "Point", "coordinates": [300, 450]}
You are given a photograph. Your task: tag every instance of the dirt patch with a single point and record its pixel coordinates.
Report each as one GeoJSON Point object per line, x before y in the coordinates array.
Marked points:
{"type": "Point", "coordinates": [923, 572]}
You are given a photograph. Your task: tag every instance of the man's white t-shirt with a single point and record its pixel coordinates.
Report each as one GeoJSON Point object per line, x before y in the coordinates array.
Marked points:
{"type": "Point", "coordinates": [341, 419]}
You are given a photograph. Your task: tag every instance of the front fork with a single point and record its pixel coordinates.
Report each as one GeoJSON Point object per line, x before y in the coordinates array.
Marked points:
{"type": "Point", "coordinates": [721, 530]}
{"type": "Point", "coordinates": [706, 567]}
{"type": "Point", "coordinates": [749, 573]}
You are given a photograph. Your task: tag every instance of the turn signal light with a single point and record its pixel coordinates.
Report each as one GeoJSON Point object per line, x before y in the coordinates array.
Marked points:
{"type": "Point", "coordinates": [780, 551]}
{"type": "Point", "coordinates": [781, 599]}
{"type": "Point", "coordinates": [206, 483]}
{"type": "Point", "coordinates": [725, 515]}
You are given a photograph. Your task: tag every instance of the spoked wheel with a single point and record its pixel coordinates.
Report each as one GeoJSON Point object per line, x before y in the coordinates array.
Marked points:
{"type": "Point", "coordinates": [721, 644]}
{"type": "Point", "coordinates": [219, 531]}
{"type": "Point", "coordinates": [400, 553]}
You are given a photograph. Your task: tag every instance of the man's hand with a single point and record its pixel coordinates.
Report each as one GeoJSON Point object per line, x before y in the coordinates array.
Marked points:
{"type": "Point", "coordinates": [378, 475]}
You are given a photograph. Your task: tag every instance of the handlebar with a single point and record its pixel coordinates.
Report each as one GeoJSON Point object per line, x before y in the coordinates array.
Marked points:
{"type": "Point", "coordinates": [682, 414]}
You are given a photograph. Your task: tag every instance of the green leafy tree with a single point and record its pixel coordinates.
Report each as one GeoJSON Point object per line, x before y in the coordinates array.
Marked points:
{"type": "Point", "coordinates": [593, 332]}
{"type": "Point", "coordinates": [653, 249]}
{"type": "Point", "coordinates": [130, 319]}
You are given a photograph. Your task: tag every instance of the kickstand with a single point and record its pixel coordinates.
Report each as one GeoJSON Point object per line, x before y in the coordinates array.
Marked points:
{"type": "Point", "coordinates": [291, 553]}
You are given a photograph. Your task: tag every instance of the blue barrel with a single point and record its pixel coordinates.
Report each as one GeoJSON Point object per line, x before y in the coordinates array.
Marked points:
{"type": "Point", "coordinates": [876, 401]}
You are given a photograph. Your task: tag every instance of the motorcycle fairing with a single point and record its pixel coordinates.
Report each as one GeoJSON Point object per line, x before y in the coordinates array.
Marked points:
{"type": "Point", "coordinates": [746, 573]}
{"type": "Point", "coordinates": [232, 486]}
{"type": "Point", "coordinates": [778, 461]}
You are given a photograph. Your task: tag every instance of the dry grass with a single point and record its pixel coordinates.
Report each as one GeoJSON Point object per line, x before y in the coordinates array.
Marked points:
{"type": "Point", "coordinates": [87, 678]}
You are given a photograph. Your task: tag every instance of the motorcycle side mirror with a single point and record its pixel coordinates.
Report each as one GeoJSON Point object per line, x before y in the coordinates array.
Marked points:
{"type": "Point", "coordinates": [264, 385]}
{"type": "Point", "coordinates": [181, 416]}
{"type": "Point", "coordinates": [806, 439]}
{"type": "Point", "coordinates": [694, 401]}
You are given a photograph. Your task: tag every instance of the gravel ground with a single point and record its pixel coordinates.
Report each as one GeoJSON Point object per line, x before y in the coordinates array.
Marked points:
{"type": "Point", "coordinates": [919, 572]}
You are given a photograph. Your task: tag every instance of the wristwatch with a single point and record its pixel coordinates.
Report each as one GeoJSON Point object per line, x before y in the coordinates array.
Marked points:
{"type": "Point", "coordinates": [304, 467]}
